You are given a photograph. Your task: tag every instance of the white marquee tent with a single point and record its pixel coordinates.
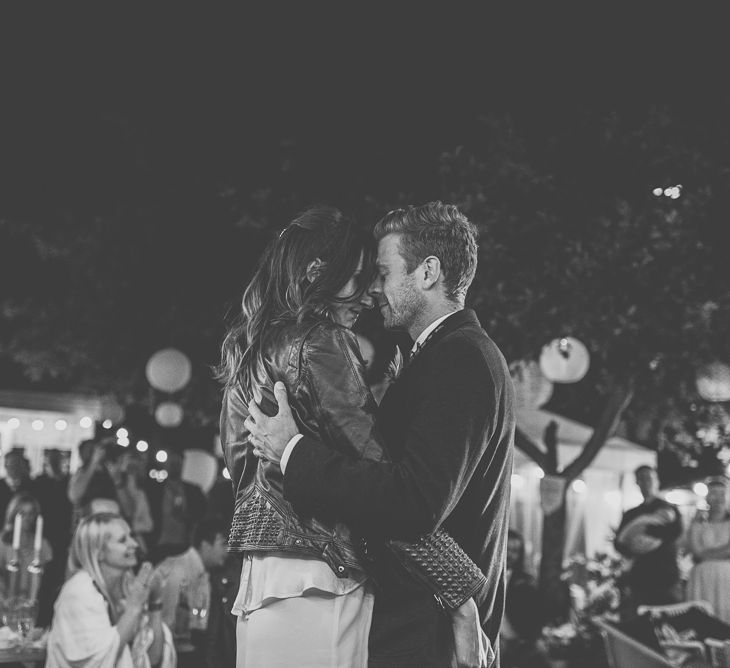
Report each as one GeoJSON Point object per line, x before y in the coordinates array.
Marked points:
{"type": "Point", "coordinates": [595, 502]}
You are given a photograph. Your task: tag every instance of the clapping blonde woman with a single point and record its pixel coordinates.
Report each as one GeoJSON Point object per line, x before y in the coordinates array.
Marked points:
{"type": "Point", "coordinates": [106, 616]}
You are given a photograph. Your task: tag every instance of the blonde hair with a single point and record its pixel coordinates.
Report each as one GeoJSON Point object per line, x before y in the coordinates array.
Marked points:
{"type": "Point", "coordinates": [89, 539]}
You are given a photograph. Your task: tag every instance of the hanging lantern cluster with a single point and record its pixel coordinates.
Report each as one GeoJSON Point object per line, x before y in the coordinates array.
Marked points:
{"type": "Point", "coordinates": [532, 388]}
{"type": "Point", "coordinates": [713, 382]}
{"type": "Point", "coordinates": [169, 370]}
{"type": "Point", "coordinates": [564, 360]}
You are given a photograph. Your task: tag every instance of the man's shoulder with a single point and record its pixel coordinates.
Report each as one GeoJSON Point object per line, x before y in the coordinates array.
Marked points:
{"type": "Point", "coordinates": [469, 349]}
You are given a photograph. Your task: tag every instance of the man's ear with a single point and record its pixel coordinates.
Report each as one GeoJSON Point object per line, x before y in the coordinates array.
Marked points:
{"type": "Point", "coordinates": [431, 271]}
{"type": "Point", "coordinates": [313, 269]}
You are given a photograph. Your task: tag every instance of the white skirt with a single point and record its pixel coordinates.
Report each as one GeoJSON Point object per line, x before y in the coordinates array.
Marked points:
{"type": "Point", "coordinates": [315, 630]}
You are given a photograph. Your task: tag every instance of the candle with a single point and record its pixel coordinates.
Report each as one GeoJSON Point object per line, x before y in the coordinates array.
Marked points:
{"type": "Point", "coordinates": [16, 531]}
{"type": "Point", "coordinates": [38, 534]}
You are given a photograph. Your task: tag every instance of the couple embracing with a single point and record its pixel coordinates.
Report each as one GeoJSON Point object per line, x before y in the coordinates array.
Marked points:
{"type": "Point", "coordinates": [372, 535]}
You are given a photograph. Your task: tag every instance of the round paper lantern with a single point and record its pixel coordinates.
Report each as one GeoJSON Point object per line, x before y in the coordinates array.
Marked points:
{"type": "Point", "coordinates": [713, 382]}
{"type": "Point", "coordinates": [169, 414]}
{"type": "Point", "coordinates": [564, 360]}
{"type": "Point", "coordinates": [532, 389]}
{"type": "Point", "coordinates": [200, 468]}
{"type": "Point", "coordinates": [168, 370]}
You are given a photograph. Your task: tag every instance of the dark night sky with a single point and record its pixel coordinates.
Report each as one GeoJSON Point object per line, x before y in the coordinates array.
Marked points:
{"type": "Point", "coordinates": [369, 99]}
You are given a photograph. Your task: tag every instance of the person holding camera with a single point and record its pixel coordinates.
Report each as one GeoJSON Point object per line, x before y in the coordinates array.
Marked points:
{"type": "Point", "coordinates": [93, 481]}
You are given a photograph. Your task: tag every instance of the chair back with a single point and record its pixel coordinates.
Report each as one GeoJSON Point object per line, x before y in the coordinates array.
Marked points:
{"type": "Point", "coordinates": [623, 651]}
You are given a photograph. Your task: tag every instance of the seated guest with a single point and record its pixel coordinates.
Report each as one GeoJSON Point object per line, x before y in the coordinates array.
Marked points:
{"type": "Point", "coordinates": [186, 596]}
{"type": "Point", "coordinates": [220, 637]}
{"type": "Point", "coordinates": [523, 616]}
{"type": "Point", "coordinates": [176, 507]}
{"type": "Point", "coordinates": [105, 616]}
{"type": "Point", "coordinates": [25, 505]}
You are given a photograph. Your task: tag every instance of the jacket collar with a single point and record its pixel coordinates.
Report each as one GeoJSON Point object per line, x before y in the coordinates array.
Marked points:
{"type": "Point", "coordinates": [462, 318]}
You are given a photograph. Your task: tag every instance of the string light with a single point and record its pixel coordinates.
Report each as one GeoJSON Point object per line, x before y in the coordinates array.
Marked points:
{"type": "Point", "coordinates": [579, 486]}
{"type": "Point", "coordinates": [122, 433]}
{"type": "Point", "coordinates": [37, 425]}
{"type": "Point", "coordinates": [13, 423]}
{"type": "Point", "coordinates": [124, 442]}
{"type": "Point", "coordinates": [673, 192]}
{"type": "Point", "coordinates": [161, 456]}
{"type": "Point", "coordinates": [226, 474]}
{"type": "Point", "coordinates": [142, 446]}
{"type": "Point", "coordinates": [61, 425]}
{"type": "Point", "coordinates": [107, 424]}
{"type": "Point", "coordinates": [86, 422]}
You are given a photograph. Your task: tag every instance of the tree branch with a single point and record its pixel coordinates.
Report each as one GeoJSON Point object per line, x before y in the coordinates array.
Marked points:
{"type": "Point", "coordinates": [531, 450]}
{"type": "Point", "coordinates": [550, 438]}
{"type": "Point", "coordinates": [617, 403]}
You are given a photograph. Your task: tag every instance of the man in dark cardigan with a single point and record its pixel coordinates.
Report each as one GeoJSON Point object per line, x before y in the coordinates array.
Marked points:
{"type": "Point", "coordinates": [447, 423]}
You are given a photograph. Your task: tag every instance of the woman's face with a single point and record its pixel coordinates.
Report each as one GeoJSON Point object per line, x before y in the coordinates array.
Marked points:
{"type": "Point", "coordinates": [120, 549]}
{"type": "Point", "coordinates": [346, 312]}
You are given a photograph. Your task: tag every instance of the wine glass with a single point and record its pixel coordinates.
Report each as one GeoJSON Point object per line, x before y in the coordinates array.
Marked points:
{"type": "Point", "coordinates": [25, 619]}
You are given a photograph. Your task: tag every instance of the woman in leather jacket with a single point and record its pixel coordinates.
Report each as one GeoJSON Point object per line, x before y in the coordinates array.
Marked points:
{"type": "Point", "coordinates": [303, 571]}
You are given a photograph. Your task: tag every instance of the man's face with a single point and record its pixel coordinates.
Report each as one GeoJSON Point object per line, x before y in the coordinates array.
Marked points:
{"type": "Point", "coordinates": [14, 469]}
{"type": "Point", "coordinates": [394, 289]}
{"type": "Point", "coordinates": [648, 482]}
{"type": "Point", "coordinates": [214, 555]}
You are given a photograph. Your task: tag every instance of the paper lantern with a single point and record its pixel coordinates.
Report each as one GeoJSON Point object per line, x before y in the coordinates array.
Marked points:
{"type": "Point", "coordinates": [168, 370]}
{"type": "Point", "coordinates": [532, 389]}
{"type": "Point", "coordinates": [200, 468]}
{"type": "Point", "coordinates": [169, 414]}
{"type": "Point", "coordinates": [713, 382]}
{"type": "Point", "coordinates": [564, 360]}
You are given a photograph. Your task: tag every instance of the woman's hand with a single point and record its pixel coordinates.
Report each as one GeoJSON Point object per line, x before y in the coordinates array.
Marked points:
{"type": "Point", "coordinates": [472, 648]}
{"type": "Point", "coordinates": [139, 588]}
{"type": "Point", "coordinates": [157, 587]}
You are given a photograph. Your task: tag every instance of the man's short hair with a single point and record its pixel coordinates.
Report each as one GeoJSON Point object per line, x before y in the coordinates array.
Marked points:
{"type": "Point", "coordinates": [644, 467]}
{"type": "Point", "coordinates": [207, 530]}
{"type": "Point", "coordinates": [440, 230]}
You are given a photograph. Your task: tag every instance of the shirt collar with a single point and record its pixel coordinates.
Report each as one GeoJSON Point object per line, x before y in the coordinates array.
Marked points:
{"type": "Point", "coordinates": [424, 334]}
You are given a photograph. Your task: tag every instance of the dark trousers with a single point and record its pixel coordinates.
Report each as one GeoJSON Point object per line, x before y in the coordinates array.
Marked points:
{"type": "Point", "coordinates": [409, 632]}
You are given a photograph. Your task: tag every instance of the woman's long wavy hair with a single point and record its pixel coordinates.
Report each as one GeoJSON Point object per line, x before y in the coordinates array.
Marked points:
{"type": "Point", "coordinates": [284, 287]}
{"type": "Point", "coordinates": [89, 540]}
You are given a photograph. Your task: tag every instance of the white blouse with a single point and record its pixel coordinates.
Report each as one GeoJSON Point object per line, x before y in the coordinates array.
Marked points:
{"type": "Point", "coordinates": [268, 577]}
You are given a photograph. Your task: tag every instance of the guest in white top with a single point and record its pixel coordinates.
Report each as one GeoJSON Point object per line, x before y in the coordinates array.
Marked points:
{"type": "Point", "coordinates": [709, 543]}
{"type": "Point", "coordinates": [105, 616]}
